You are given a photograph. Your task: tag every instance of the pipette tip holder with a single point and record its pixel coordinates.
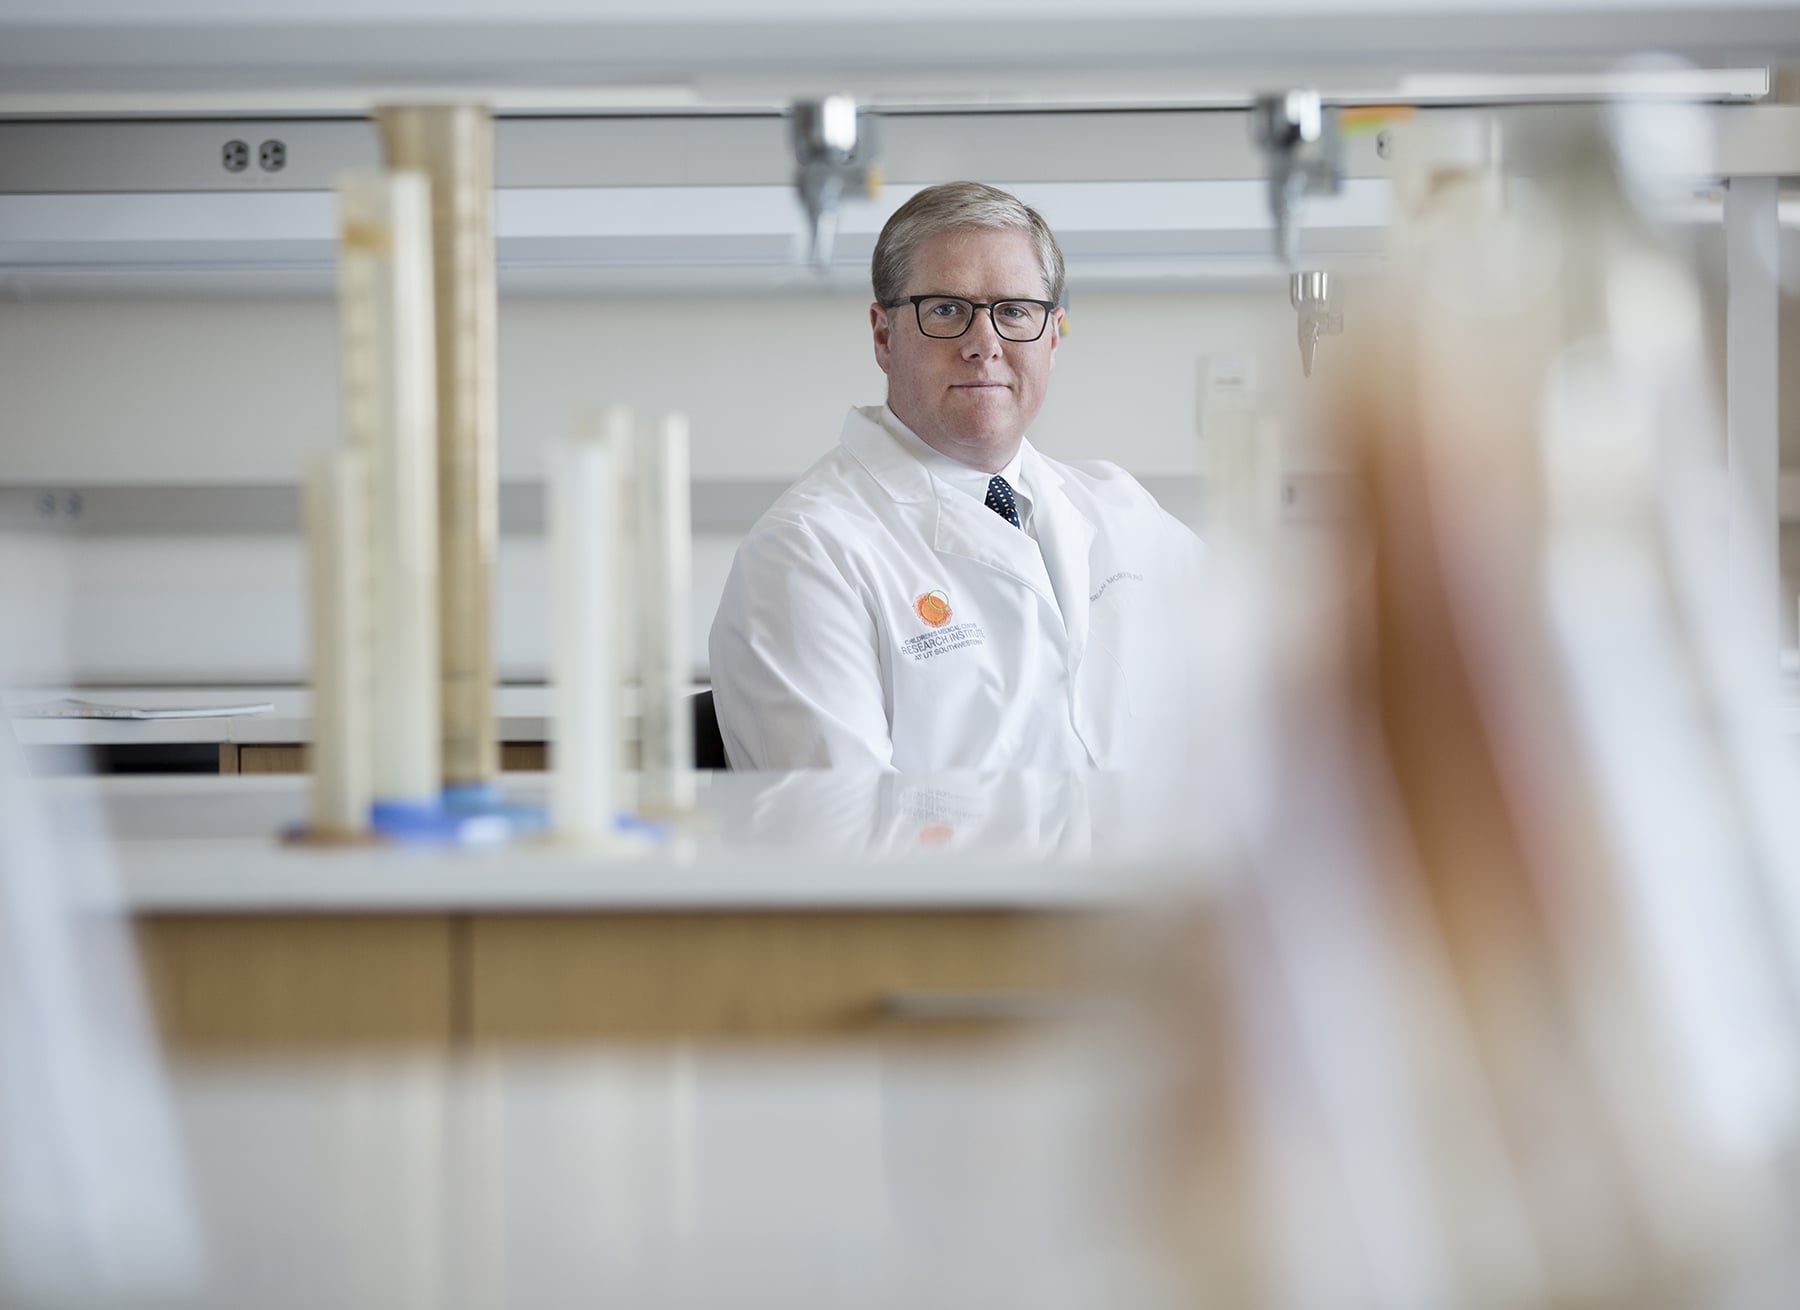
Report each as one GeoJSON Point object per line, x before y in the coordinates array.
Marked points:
{"type": "Point", "coordinates": [1298, 136]}
{"type": "Point", "coordinates": [834, 150]}
{"type": "Point", "coordinates": [1310, 294]}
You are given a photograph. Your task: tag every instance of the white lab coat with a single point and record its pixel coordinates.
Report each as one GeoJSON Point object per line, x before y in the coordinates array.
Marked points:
{"type": "Point", "coordinates": [830, 648]}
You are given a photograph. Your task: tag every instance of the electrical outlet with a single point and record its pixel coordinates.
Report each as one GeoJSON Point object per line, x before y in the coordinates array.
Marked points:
{"type": "Point", "coordinates": [48, 507]}
{"type": "Point", "coordinates": [235, 156]}
{"type": "Point", "coordinates": [64, 505]}
{"type": "Point", "coordinates": [272, 156]}
{"type": "Point", "coordinates": [1227, 382]}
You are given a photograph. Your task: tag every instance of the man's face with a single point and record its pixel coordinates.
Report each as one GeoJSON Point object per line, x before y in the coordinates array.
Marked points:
{"type": "Point", "coordinates": [970, 398]}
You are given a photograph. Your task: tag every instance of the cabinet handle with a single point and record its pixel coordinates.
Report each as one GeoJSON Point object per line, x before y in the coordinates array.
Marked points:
{"type": "Point", "coordinates": [985, 1007]}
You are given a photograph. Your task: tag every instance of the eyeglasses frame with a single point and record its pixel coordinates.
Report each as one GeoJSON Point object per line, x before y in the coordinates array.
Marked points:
{"type": "Point", "coordinates": [1049, 308]}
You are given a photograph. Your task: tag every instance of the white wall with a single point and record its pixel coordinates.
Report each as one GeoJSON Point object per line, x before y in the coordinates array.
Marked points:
{"type": "Point", "coordinates": [222, 609]}
{"type": "Point", "coordinates": [238, 392]}
{"type": "Point", "coordinates": [242, 391]}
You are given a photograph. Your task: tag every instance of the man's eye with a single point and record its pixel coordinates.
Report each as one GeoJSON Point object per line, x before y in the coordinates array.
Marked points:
{"type": "Point", "coordinates": [1015, 311]}
{"type": "Point", "coordinates": [946, 310]}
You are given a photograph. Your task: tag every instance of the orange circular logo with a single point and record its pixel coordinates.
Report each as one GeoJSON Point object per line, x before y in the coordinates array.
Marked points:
{"type": "Point", "coordinates": [936, 834]}
{"type": "Point", "coordinates": [934, 608]}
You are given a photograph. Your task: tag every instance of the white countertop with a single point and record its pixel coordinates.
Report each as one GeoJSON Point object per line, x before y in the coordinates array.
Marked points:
{"type": "Point", "coordinates": [815, 839]}
{"type": "Point", "coordinates": [521, 713]}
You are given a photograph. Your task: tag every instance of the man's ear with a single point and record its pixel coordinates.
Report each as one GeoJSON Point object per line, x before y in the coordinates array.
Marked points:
{"type": "Point", "coordinates": [881, 325]}
{"type": "Point", "coordinates": [1056, 330]}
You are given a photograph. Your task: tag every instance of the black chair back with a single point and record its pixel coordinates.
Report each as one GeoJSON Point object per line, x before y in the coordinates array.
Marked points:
{"type": "Point", "coordinates": [709, 746]}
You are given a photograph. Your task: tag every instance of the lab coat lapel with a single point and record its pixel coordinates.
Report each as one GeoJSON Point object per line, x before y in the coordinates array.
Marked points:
{"type": "Point", "coordinates": [970, 529]}
{"type": "Point", "coordinates": [965, 527]}
{"type": "Point", "coordinates": [1067, 538]}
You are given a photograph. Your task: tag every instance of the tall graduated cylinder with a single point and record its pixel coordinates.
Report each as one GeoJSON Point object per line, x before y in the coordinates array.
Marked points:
{"type": "Point", "coordinates": [390, 412]}
{"type": "Point", "coordinates": [453, 146]}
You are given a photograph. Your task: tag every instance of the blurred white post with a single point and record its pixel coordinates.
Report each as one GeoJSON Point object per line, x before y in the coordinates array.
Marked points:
{"type": "Point", "coordinates": [95, 1207]}
{"type": "Point", "coordinates": [390, 410]}
{"type": "Point", "coordinates": [585, 729]}
{"type": "Point", "coordinates": [666, 580]}
{"type": "Point", "coordinates": [336, 512]}
{"type": "Point", "coordinates": [619, 430]}
{"type": "Point", "coordinates": [1753, 446]}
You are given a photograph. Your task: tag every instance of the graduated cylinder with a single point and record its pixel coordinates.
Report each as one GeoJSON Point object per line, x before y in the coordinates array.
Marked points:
{"type": "Point", "coordinates": [335, 508]}
{"type": "Point", "coordinates": [390, 413]}
{"type": "Point", "coordinates": [453, 146]}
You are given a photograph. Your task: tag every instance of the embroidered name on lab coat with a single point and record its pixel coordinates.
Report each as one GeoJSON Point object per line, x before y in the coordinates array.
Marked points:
{"type": "Point", "coordinates": [928, 645]}
{"type": "Point", "coordinates": [1135, 577]}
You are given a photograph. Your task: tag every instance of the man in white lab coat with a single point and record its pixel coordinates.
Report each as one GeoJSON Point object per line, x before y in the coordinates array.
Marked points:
{"type": "Point", "coordinates": [935, 593]}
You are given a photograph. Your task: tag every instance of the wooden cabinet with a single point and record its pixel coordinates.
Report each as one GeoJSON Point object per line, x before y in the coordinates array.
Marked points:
{"type": "Point", "coordinates": [270, 982]}
{"type": "Point", "coordinates": [280, 757]}
{"type": "Point", "coordinates": [261, 982]}
{"type": "Point", "coordinates": [554, 978]}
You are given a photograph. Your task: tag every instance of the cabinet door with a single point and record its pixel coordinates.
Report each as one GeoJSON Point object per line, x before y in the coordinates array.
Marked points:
{"type": "Point", "coordinates": [275, 982]}
{"type": "Point", "coordinates": [537, 978]}
{"type": "Point", "coordinates": [265, 757]}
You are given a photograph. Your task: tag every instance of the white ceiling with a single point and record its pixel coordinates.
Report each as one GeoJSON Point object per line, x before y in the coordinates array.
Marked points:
{"type": "Point", "coordinates": [173, 53]}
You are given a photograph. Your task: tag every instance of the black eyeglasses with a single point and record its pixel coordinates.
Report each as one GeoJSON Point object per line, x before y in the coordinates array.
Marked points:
{"type": "Point", "coordinates": [948, 317]}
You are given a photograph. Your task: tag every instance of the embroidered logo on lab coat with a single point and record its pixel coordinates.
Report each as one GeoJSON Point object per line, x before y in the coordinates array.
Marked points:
{"type": "Point", "coordinates": [934, 608]}
{"type": "Point", "coordinates": [941, 641]}
{"type": "Point", "coordinates": [1117, 577]}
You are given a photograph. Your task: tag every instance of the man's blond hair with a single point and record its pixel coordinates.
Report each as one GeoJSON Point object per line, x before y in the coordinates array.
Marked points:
{"type": "Point", "coordinates": [956, 207]}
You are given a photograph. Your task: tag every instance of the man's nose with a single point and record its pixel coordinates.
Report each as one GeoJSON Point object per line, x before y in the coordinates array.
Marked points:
{"type": "Point", "coordinates": [981, 341]}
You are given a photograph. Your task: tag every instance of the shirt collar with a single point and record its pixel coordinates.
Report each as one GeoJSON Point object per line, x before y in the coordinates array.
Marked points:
{"type": "Point", "coordinates": [971, 481]}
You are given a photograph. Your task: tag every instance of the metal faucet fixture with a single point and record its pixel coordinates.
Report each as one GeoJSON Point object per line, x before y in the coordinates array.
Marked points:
{"type": "Point", "coordinates": [835, 148]}
{"type": "Point", "coordinates": [1311, 297]}
{"type": "Point", "coordinates": [1299, 137]}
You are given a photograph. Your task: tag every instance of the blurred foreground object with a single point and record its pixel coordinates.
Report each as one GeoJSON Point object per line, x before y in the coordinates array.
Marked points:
{"type": "Point", "coordinates": [1502, 1010]}
{"type": "Point", "coordinates": [94, 1202]}
{"type": "Point", "coordinates": [814, 1178]}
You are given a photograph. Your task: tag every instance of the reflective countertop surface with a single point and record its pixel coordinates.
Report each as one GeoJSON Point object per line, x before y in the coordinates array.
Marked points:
{"type": "Point", "coordinates": [809, 838]}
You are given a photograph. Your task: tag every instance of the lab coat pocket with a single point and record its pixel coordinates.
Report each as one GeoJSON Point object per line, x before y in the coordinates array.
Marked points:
{"type": "Point", "coordinates": [1140, 714]}
{"type": "Point", "coordinates": [1119, 658]}
{"type": "Point", "coordinates": [1116, 670]}
{"type": "Point", "coordinates": [1144, 651]}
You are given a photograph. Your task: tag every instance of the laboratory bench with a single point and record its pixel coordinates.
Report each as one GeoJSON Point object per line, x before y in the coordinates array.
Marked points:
{"type": "Point", "coordinates": [271, 742]}
{"type": "Point", "coordinates": [798, 906]}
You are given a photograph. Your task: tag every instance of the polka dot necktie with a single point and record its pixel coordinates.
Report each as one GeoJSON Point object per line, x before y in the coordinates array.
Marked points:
{"type": "Point", "coordinates": [1000, 500]}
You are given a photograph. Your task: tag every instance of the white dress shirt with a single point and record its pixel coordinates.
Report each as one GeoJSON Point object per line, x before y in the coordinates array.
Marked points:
{"type": "Point", "coordinates": [954, 473]}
